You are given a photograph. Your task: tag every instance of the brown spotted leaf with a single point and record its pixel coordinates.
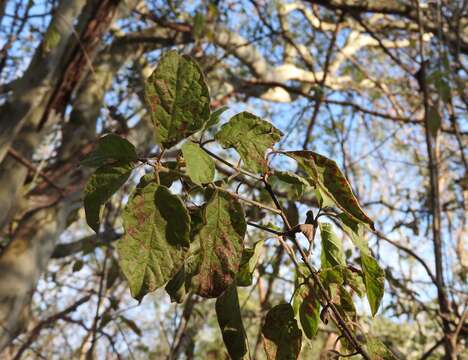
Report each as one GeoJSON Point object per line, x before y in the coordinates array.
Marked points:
{"type": "Point", "coordinates": [221, 243]}
{"type": "Point", "coordinates": [178, 99]}
{"type": "Point", "coordinates": [251, 137]}
{"type": "Point", "coordinates": [327, 177]}
{"type": "Point", "coordinates": [282, 338]}
{"type": "Point", "coordinates": [156, 241]}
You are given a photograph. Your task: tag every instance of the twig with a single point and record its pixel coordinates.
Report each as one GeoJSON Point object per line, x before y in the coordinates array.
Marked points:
{"type": "Point", "coordinates": [341, 323]}
{"type": "Point", "coordinates": [98, 305]}
{"type": "Point", "coordinates": [252, 202]}
{"type": "Point", "coordinates": [47, 322]}
{"type": "Point", "coordinates": [18, 157]}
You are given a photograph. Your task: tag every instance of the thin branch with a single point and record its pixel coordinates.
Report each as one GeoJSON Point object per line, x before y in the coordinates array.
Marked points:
{"type": "Point", "coordinates": [47, 323]}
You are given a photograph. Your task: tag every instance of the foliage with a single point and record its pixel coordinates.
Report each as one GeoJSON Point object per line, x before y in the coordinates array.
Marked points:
{"type": "Point", "coordinates": [200, 249]}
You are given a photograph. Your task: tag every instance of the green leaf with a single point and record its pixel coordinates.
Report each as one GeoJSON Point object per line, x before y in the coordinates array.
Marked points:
{"type": "Point", "coordinates": [154, 247]}
{"type": "Point", "coordinates": [51, 38]}
{"type": "Point", "coordinates": [198, 25]}
{"type": "Point", "coordinates": [215, 117]}
{"type": "Point", "coordinates": [176, 286]}
{"type": "Point", "coordinates": [377, 349]}
{"type": "Point", "coordinates": [355, 231]}
{"type": "Point", "coordinates": [282, 338]}
{"type": "Point", "coordinates": [309, 314]}
{"type": "Point", "coordinates": [100, 187]}
{"type": "Point", "coordinates": [221, 243]}
{"type": "Point", "coordinates": [326, 176]}
{"type": "Point", "coordinates": [433, 120]}
{"type": "Point", "coordinates": [356, 281]}
{"type": "Point", "coordinates": [230, 323]}
{"type": "Point", "coordinates": [374, 279]}
{"type": "Point", "coordinates": [178, 99]}
{"type": "Point", "coordinates": [331, 275]}
{"type": "Point", "coordinates": [132, 325]}
{"type": "Point", "coordinates": [200, 166]}
{"type": "Point", "coordinates": [291, 183]}
{"type": "Point", "coordinates": [346, 302]}
{"type": "Point", "coordinates": [248, 263]}
{"type": "Point", "coordinates": [332, 248]}
{"type": "Point", "coordinates": [110, 148]}
{"type": "Point", "coordinates": [113, 273]}
{"type": "Point", "coordinates": [251, 137]}
{"type": "Point", "coordinates": [78, 265]}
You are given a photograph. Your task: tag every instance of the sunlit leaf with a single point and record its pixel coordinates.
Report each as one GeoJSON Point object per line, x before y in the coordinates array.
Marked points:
{"type": "Point", "coordinates": [230, 323]}
{"type": "Point", "coordinates": [248, 263]}
{"type": "Point", "coordinates": [99, 189]}
{"type": "Point", "coordinates": [324, 174]}
{"type": "Point", "coordinates": [332, 248]}
{"type": "Point", "coordinates": [221, 243]}
{"type": "Point", "coordinates": [282, 338]}
{"type": "Point", "coordinates": [156, 241]}
{"type": "Point", "coordinates": [374, 279]}
{"type": "Point", "coordinates": [309, 314]}
{"type": "Point", "coordinates": [377, 349]}
{"type": "Point", "coordinates": [355, 231]}
{"type": "Point", "coordinates": [251, 137]}
{"type": "Point", "coordinates": [200, 166]}
{"type": "Point", "coordinates": [178, 99]}
{"type": "Point", "coordinates": [109, 149]}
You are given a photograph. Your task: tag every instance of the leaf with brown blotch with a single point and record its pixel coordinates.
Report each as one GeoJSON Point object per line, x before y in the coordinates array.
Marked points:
{"type": "Point", "coordinates": [221, 243]}
{"type": "Point", "coordinates": [327, 177]}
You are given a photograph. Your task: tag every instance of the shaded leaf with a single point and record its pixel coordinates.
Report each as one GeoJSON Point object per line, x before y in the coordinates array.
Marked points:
{"type": "Point", "coordinates": [230, 323]}
{"type": "Point", "coordinates": [433, 120]}
{"type": "Point", "coordinates": [356, 281]}
{"type": "Point", "coordinates": [110, 148]}
{"type": "Point", "coordinates": [282, 338]}
{"type": "Point", "coordinates": [99, 189]}
{"type": "Point", "coordinates": [251, 137]}
{"type": "Point", "coordinates": [332, 248]}
{"type": "Point", "coordinates": [113, 273]}
{"type": "Point", "coordinates": [132, 325]}
{"type": "Point", "coordinates": [331, 275]}
{"type": "Point", "coordinates": [178, 99]}
{"type": "Point", "coordinates": [326, 176]}
{"type": "Point", "coordinates": [221, 243]}
{"type": "Point", "coordinates": [176, 286]}
{"type": "Point", "coordinates": [374, 279]}
{"type": "Point", "coordinates": [155, 244]}
{"type": "Point", "coordinates": [78, 265]}
{"type": "Point", "coordinates": [200, 166]}
{"type": "Point", "coordinates": [287, 181]}
{"type": "Point", "coordinates": [248, 263]}
{"type": "Point", "coordinates": [346, 302]}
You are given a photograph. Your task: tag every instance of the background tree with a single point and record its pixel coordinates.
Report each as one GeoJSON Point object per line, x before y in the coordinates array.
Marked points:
{"type": "Point", "coordinates": [379, 86]}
